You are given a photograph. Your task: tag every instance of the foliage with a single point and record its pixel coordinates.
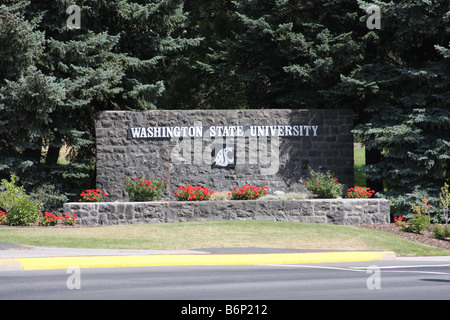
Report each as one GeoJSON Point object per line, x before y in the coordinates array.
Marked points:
{"type": "Point", "coordinates": [284, 54]}
{"type": "Point", "coordinates": [440, 232]}
{"type": "Point", "coordinates": [53, 80]}
{"type": "Point", "coordinates": [92, 195]}
{"type": "Point", "coordinates": [248, 192]}
{"type": "Point", "coordinates": [48, 219]}
{"type": "Point", "coordinates": [193, 193]}
{"type": "Point", "coordinates": [418, 223]}
{"type": "Point", "coordinates": [20, 209]}
{"type": "Point", "coordinates": [324, 185]}
{"type": "Point", "coordinates": [422, 209]}
{"type": "Point", "coordinates": [444, 196]}
{"type": "Point", "coordinates": [50, 197]}
{"type": "Point", "coordinates": [185, 54]}
{"type": "Point", "coordinates": [24, 212]}
{"type": "Point", "coordinates": [415, 199]}
{"type": "Point", "coordinates": [421, 219]}
{"type": "Point", "coordinates": [140, 189]}
{"type": "Point", "coordinates": [69, 220]}
{"type": "Point", "coordinates": [9, 193]}
{"type": "Point", "coordinates": [401, 222]}
{"type": "Point", "coordinates": [404, 86]}
{"type": "Point", "coordinates": [429, 203]}
{"type": "Point", "coordinates": [360, 192]}
{"type": "Point", "coordinates": [3, 217]}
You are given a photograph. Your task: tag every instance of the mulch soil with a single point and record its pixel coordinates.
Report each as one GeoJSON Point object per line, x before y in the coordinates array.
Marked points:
{"type": "Point", "coordinates": [425, 237]}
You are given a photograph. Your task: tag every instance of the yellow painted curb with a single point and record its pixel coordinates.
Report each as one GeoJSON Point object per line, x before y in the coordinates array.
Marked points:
{"type": "Point", "coordinates": [191, 260]}
{"type": "Point", "coordinates": [10, 264]}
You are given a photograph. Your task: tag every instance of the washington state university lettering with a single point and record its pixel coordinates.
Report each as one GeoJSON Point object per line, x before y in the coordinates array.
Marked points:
{"type": "Point", "coordinates": [223, 131]}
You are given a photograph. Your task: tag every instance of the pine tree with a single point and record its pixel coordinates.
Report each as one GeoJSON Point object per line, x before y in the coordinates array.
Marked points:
{"type": "Point", "coordinates": [405, 82]}
{"type": "Point", "coordinates": [321, 54]}
{"type": "Point", "coordinates": [27, 96]}
{"type": "Point", "coordinates": [202, 83]}
{"type": "Point", "coordinates": [288, 54]}
{"type": "Point", "coordinates": [119, 58]}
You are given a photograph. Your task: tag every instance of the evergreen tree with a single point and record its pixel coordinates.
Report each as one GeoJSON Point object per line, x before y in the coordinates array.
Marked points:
{"type": "Point", "coordinates": [140, 55]}
{"type": "Point", "coordinates": [54, 79]}
{"type": "Point", "coordinates": [405, 84]}
{"type": "Point", "coordinates": [288, 54]}
{"type": "Point", "coordinates": [27, 96]}
{"type": "Point", "coordinates": [202, 84]}
{"type": "Point", "coordinates": [321, 54]}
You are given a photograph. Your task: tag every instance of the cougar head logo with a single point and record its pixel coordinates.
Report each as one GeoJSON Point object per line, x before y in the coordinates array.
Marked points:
{"type": "Point", "coordinates": [222, 158]}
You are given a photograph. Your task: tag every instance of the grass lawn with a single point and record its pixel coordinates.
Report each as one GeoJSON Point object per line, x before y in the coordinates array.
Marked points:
{"type": "Point", "coordinates": [209, 234]}
{"type": "Point", "coordinates": [359, 161]}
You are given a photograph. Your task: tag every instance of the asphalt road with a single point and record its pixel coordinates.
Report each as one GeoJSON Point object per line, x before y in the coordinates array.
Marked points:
{"type": "Point", "coordinates": [399, 279]}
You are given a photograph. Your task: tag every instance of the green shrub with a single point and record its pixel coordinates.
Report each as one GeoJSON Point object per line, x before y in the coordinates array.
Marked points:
{"type": "Point", "coordinates": [324, 185]}
{"type": "Point", "coordinates": [145, 189]}
{"type": "Point", "coordinates": [401, 222]}
{"type": "Point", "coordinates": [9, 192]}
{"type": "Point", "coordinates": [24, 212]}
{"type": "Point", "coordinates": [419, 223]}
{"type": "Point", "coordinates": [421, 219]}
{"type": "Point", "coordinates": [20, 209]}
{"type": "Point", "coordinates": [50, 197]}
{"type": "Point", "coordinates": [440, 232]}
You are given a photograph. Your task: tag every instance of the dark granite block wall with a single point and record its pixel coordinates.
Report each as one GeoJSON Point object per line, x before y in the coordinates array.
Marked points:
{"type": "Point", "coordinates": [279, 160]}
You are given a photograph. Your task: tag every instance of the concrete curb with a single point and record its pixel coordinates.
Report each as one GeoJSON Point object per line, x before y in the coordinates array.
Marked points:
{"type": "Point", "coordinates": [48, 263]}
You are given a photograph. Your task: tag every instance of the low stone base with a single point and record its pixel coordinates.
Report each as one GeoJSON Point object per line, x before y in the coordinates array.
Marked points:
{"type": "Point", "coordinates": [330, 211]}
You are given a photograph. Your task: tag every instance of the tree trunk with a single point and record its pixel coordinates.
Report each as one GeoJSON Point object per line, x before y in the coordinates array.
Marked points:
{"type": "Point", "coordinates": [35, 153]}
{"type": "Point", "coordinates": [52, 155]}
{"type": "Point", "coordinates": [373, 157]}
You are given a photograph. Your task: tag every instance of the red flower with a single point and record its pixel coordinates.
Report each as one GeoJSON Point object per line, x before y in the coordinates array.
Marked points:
{"type": "Point", "coordinates": [247, 192]}
{"type": "Point", "coordinates": [92, 195]}
{"type": "Point", "coordinates": [190, 192]}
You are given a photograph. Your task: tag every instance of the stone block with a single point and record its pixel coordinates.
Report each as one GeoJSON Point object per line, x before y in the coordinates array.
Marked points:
{"type": "Point", "coordinates": [119, 154]}
{"type": "Point", "coordinates": [344, 211]}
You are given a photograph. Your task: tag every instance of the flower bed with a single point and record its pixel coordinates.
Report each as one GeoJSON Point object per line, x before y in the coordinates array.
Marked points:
{"type": "Point", "coordinates": [193, 193]}
{"type": "Point", "coordinates": [194, 203]}
{"type": "Point", "coordinates": [248, 192]}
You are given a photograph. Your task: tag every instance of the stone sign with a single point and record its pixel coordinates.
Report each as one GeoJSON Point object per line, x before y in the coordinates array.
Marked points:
{"type": "Point", "coordinates": [220, 149]}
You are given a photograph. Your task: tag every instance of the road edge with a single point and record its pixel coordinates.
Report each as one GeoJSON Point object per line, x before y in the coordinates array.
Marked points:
{"type": "Point", "coordinates": [48, 263]}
